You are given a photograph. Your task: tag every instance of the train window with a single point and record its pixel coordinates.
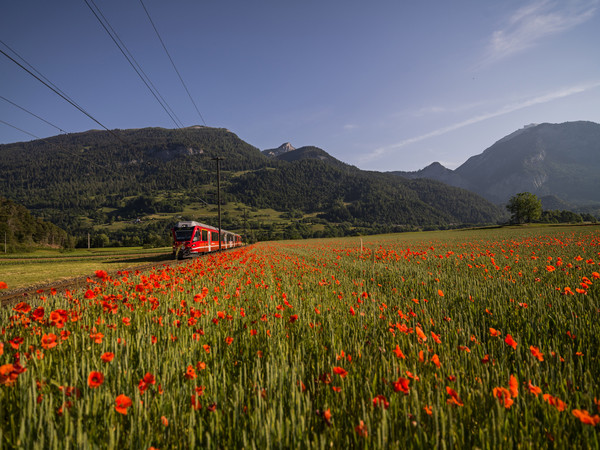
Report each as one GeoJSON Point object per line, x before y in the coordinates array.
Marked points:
{"type": "Point", "coordinates": [183, 234]}
{"type": "Point", "coordinates": [197, 236]}
{"type": "Point", "coordinates": [205, 235]}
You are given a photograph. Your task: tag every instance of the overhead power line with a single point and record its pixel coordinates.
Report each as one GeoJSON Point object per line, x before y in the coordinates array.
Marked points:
{"type": "Point", "coordinates": [51, 86]}
{"type": "Point", "coordinates": [133, 63]}
{"type": "Point", "coordinates": [34, 115]}
{"type": "Point", "coordinates": [17, 128]}
{"type": "Point", "coordinates": [172, 62]}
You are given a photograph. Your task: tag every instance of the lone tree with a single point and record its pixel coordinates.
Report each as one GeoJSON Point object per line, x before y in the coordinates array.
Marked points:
{"type": "Point", "coordinates": [524, 207]}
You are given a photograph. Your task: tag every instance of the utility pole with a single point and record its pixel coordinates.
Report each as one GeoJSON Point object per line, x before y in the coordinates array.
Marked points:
{"type": "Point", "coordinates": [245, 224]}
{"type": "Point", "coordinates": [218, 159]}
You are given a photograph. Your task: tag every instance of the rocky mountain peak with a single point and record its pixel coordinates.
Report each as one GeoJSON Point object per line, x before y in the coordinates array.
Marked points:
{"type": "Point", "coordinates": [287, 147]}
{"type": "Point", "coordinates": [283, 148]}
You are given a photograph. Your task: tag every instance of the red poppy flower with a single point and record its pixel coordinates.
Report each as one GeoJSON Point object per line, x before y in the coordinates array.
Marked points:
{"type": "Point", "coordinates": [380, 400]}
{"type": "Point", "coordinates": [503, 396]}
{"type": "Point", "coordinates": [536, 352]}
{"type": "Point", "coordinates": [49, 341]}
{"type": "Point", "coordinates": [327, 416]}
{"type": "Point", "coordinates": [586, 418]}
{"type": "Point", "coordinates": [513, 386]}
{"type": "Point", "coordinates": [398, 352]}
{"type": "Point", "coordinates": [361, 429]}
{"type": "Point", "coordinates": [122, 402]}
{"type": "Point", "coordinates": [190, 373]}
{"type": "Point", "coordinates": [95, 379]}
{"type": "Point", "coordinates": [555, 401]}
{"type": "Point", "coordinates": [454, 398]}
{"type": "Point", "coordinates": [401, 385]}
{"type": "Point", "coordinates": [107, 357]}
{"type": "Point", "coordinates": [535, 390]}
{"type": "Point", "coordinates": [16, 342]}
{"type": "Point", "coordinates": [510, 341]}
{"type": "Point", "coordinates": [22, 307]}
{"type": "Point", "coordinates": [101, 274]}
{"type": "Point", "coordinates": [3, 285]}
{"type": "Point", "coordinates": [340, 371]}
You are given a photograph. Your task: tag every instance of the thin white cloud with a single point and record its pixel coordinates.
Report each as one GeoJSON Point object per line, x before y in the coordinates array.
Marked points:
{"type": "Point", "coordinates": [349, 126]}
{"type": "Point", "coordinates": [545, 98]}
{"type": "Point", "coordinates": [531, 23]}
{"type": "Point", "coordinates": [431, 110]}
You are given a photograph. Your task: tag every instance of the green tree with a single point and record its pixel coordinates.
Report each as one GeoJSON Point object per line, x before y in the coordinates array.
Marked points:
{"type": "Point", "coordinates": [525, 207]}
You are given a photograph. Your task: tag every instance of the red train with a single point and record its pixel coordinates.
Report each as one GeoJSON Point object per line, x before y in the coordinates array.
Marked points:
{"type": "Point", "coordinates": [193, 238]}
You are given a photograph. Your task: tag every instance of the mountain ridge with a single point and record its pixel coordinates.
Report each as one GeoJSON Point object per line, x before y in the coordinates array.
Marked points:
{"type": "Point", "coordinates": [93, 180]}
{"type": "Point", "coordinates": [560, 160]}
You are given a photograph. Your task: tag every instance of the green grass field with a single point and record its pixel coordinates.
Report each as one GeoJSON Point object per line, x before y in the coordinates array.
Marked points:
{"type": "Point", "coordinates": [458, 339]}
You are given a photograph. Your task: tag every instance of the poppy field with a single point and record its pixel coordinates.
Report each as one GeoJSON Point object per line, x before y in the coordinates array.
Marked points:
{"type": "Point", "coordinates": [479, 338]}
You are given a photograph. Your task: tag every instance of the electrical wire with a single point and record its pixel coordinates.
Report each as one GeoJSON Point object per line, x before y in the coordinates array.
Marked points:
{"type": "Point", "coordinates": [34, 115]}
{"type": "Point", "coordinates": [172, 62]}
{"type": "Point", "coordinates": [136, 67]}
{"type": "Point", "coordinates": [17, 128]}
{"type": "Point", "coordinates": [53, 89]}
{"type": "Point", "coordinates": [116, 35]}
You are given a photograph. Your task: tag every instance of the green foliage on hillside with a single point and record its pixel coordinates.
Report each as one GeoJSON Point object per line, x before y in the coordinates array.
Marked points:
{"type": "Point", "coordinates": [132, 189]}
{"type": "Point", "coordinates": [21, 231]}
{"type": "Point", "coordinates": [360, 197]}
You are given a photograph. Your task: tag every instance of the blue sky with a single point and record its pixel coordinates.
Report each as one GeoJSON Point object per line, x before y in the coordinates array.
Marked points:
{"type": "Point", "coordinates": [383, 85]}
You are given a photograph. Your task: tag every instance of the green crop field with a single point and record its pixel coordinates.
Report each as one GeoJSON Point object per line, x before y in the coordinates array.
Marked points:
{"type": "Point", "coordinates": [457, 339]}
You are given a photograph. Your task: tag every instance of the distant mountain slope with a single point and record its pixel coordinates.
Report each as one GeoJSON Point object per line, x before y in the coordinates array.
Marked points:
{"type": "Point", "coordinates": [93, 179]}
{"type": "Point", "coordinates": [560, 160]}
{"type": "Point", "coordinates": [435, 171]}
{"type": "Point", "coordinates": [345, 193]}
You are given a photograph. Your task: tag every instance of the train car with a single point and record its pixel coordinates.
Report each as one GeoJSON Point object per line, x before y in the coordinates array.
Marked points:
{"type": "Point", "coordinates": [192, 238]}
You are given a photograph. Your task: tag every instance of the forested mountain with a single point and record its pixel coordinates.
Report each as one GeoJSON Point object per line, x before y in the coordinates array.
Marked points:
{"type": "Point", "coordinates": [99, 179]}
{"type": "Point", "coordinates": [348, 194]}
{"type": "Point", "coordinates": [559, 160]}
{"type": "Point", "coordinates": [78, 174]}
{"type": "Point", "coordinates": [20, 230]}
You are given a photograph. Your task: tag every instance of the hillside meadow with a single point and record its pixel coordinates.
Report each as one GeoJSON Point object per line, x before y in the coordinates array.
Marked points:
{"type": "Point", "coordinates": [481, 338]}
